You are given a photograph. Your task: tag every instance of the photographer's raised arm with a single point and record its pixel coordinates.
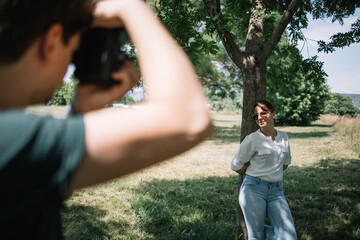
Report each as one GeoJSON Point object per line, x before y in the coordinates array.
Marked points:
{"type": "Point", "coordinates": [173, 119]}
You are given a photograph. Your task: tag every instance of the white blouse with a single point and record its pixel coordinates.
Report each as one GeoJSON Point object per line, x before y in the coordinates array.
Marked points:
{"type": "Point", "coordinates": [266, 156]}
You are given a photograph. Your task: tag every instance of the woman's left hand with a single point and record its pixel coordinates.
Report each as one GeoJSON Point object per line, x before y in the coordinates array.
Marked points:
{"type": "Point", "coordinates": [243, 169]}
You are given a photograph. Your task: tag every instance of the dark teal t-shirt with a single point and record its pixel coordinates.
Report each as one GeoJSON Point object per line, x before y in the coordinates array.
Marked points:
{"type": "Point", "coordinates": [38, 155]}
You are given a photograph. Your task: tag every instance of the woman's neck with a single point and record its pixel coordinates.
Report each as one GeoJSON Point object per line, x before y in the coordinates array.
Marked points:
{"type": "Point", "coordinates": [269, 132]}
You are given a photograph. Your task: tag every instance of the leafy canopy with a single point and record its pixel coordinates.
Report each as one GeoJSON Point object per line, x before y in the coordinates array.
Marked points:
{"type": "Point", "coordinates": [296, 86]}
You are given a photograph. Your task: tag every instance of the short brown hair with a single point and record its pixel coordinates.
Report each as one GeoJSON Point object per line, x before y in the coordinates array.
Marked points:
{"type": "Point", "coordinates": [23, 21]}
{"type": "Point", "coordinates": [265, 105]}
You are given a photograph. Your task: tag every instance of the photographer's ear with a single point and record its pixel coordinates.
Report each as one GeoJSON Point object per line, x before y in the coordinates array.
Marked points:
{"type": "Point", "coordinates": [50, 41]}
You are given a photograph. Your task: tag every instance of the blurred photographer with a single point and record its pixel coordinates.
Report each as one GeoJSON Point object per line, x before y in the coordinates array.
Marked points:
{"type": "Point", "coordinates": [42, 159]}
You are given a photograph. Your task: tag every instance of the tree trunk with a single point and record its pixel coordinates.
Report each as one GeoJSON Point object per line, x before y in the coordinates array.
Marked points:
{"type": "Point", "coordinates": [254, 78]}
{"type": "Point", "coordinates": [240, 232]}
{"type": "Point", "coordinates": [254, 90]}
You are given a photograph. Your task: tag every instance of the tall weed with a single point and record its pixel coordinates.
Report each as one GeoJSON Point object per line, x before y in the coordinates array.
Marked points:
{"type": "Point", "coordinates": [346, 126]}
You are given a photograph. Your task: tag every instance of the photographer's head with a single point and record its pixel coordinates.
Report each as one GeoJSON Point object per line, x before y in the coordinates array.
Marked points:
{"type": "Point", "coordinates": [37, 42]}
{"type": "Point", "coordinates": [24, 21]}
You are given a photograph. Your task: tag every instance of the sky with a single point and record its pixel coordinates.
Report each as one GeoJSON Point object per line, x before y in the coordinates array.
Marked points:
{"type": "Point", "coordinates": [343, 65]}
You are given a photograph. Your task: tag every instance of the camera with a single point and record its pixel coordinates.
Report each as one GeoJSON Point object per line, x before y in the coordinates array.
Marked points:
{"type": "Point", "coordinates": [99, 55]}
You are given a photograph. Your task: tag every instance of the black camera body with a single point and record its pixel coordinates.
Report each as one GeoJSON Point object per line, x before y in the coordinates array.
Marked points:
{"type": "Point", "coordinates": [99, 55]}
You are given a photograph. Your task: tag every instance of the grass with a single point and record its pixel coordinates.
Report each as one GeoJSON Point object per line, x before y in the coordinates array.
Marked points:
{"type": "Point", "coordinates": [194, 196]}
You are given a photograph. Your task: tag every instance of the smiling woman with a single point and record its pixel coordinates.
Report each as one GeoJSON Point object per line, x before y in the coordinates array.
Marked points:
{"type": "Point", "coordinates": [264, 115]}
{"type": "Point", "coordinates": [263, 156]}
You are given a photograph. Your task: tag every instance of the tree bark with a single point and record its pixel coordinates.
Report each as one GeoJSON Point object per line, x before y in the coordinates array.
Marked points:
{"type": "Point", "coordinates": [252, 63]}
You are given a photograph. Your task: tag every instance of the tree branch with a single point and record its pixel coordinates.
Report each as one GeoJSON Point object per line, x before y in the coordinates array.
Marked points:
{"type": "Point", "coordinates": [282, 5]}
{"type": "Point", "coordinates": [279, 30]}
{"type": "Point", "coordinates": [214, 10]}
{"type": "Point", "coordinates": [255, 35]}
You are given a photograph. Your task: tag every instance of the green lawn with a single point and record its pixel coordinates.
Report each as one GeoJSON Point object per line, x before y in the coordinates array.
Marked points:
{"type": "Point", "coordinates": [194, 196]}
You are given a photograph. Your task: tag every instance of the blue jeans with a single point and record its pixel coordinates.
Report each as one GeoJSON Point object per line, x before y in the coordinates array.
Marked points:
{"type": "Point", "coordinates": [259, 198]}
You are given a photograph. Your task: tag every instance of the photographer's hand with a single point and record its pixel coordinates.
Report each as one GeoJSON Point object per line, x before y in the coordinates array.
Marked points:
{"type": "Point", "coordinates": [91, 96]}
{"type": "Point", "coordinates": [106, 14]}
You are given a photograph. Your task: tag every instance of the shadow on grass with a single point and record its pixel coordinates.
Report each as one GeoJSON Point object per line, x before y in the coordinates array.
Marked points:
{"type": "Point", "coordinates": [202, 208]}
{"type": "Point", "coordinates": [293, 135]}
{"type": "Point", "coordinates": [227, 134]}
{"type": "Point", "coordinates": [322, 125]}
{"type": "Point", "coordinates": [226, 121]}
{"type": "Point", "coordinates": [319, 125]}
{"type": "Point", "coordinates": [324, 200]}
{"type": "Point", "coordinates": [232, 134]}
{"type": "Point", "coordinates": [84, 222]}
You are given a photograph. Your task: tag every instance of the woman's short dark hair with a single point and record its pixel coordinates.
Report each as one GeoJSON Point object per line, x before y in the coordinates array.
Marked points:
{"type": "Point", "coordinates": [23, 21]}
{"type": "Point", "coordinates": [265, 105]}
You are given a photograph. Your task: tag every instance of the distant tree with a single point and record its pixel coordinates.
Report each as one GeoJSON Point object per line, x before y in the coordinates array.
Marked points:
{"type": "Point", "coordinates": [221, 81]}
{"type": "Point", "coordinates": [355, 98]}
{"type": "Point", "coordinates": [225, 104]}
{"type": "Point", "coordinates": [341, 106]}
